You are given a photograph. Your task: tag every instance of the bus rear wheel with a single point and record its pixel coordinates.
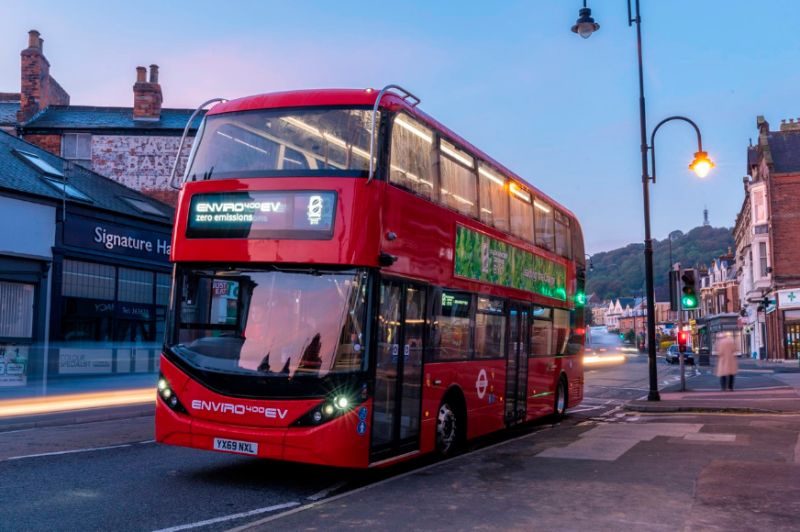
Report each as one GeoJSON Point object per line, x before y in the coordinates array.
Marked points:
{"type": "Point", "coordinates": [560, 402]}
{"type": "Point", "coordinates": [447, 429]}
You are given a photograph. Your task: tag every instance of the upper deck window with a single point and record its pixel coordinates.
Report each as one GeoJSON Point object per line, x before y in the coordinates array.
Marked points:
{"type": "Point", "coordinates": [543, 221]}
{"type": "Point", "coordinates": [563, 240]}
{"type": "Point", "coordinates": [412, 156]}
{"type": "Point", "coordinates": [283, 142]}
{"type": "Point", "coordinates": [494, 198]}
{"type": "Point", "coordinates": [459, 187]}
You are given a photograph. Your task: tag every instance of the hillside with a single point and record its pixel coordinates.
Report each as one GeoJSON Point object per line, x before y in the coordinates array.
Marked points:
{"type": "Point", "coordinates": [620, 272]}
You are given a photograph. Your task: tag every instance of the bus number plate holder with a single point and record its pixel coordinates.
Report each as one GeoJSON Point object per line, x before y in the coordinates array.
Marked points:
{"type": "Point", "coordinates": [235, 446]}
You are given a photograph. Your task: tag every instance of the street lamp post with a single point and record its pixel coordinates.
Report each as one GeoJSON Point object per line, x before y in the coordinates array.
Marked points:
{"type": "Point", "coordinates": [584, 27]}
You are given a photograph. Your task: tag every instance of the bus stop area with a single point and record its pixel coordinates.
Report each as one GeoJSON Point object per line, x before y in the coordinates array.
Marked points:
{"type": "Point", "coordinates": [713, 461]}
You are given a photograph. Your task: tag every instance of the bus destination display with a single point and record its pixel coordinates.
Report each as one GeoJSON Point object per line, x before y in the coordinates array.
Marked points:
{"type": "Point", "coordinates": [306, 215]}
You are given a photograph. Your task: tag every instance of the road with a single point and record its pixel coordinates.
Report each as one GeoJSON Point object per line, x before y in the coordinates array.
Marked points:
{"type": "Point", "coordinates": [111, 475]}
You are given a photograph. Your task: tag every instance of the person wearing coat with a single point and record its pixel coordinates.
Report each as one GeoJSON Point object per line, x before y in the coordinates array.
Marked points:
{"type": "Point", "coordinates": [727, 366]}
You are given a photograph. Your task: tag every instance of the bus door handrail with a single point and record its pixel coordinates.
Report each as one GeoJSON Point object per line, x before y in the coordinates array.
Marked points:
{"type": "Point", "coordinates": [183, 139]}
{"type": "Point", "coordinates": [405, 95]}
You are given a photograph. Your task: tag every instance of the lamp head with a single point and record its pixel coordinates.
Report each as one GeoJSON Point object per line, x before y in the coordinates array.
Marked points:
{"type": "Point", "coordinates": [701, 165]}
{"type": "Point", "coordinates": [585, 25]}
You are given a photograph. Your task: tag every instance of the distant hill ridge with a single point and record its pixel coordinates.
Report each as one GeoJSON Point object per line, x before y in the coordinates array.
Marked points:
{"type": "Point", "coordinates": [620, 272]}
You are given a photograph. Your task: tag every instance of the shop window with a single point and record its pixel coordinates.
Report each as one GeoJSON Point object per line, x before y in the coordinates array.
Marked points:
{"type": "Point", "coordinates": [521, 215]}
{"type": "Point", "coordinates": [163, 286]}
{"type": "Point", "coordinates": [459, 187]}
{"type": "Point", "coordinates": [490, 329]}
{"type": "Point", "coordinates": [412, 156]}
{"type": "Point", "coordinates": [87, 279]}
{"type": "Point", "coordinates": [494, 198]}
{"type": "Point", "coordinates": [135, 286]}
{"type": "Point", "coordinates": [16, 309]}
{"type": "Point", "coordinates": [451, 327]}
{"type": "Point", "coordinates": [543, 222]}
{"type": "Point", "coordinates": [563, 240]}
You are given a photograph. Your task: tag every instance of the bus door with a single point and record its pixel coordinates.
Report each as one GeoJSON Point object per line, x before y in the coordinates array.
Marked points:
{"type": "Point", "coordinates": [517, 364]}
{"type": "Point", "coordinates": [398, 371]}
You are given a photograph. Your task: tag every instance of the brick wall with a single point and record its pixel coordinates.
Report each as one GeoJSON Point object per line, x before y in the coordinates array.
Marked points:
{"type": "Point", "coordinates": [143, 163]}
{"type": "Point", "coordinates": [784, 208]}
{"type": "Point", "coordinates": [51, 143]}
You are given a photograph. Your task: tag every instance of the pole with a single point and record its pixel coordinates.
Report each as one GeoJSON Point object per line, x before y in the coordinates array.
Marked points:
{"type": "Point", "coordinates": [653, 394]}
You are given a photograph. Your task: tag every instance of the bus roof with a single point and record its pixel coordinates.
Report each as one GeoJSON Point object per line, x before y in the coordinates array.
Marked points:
{"type": "Point", "coordinates": [359, 97]}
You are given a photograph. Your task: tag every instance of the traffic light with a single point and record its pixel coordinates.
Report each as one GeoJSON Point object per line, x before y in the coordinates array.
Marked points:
{"type": "Point", "coordinates": [689, 297]}
{"type": "Point", "coordinates": [683, 340]}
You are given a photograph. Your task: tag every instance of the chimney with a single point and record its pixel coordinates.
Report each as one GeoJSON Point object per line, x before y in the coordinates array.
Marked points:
{"type": "Point", "coordinates": [37, 89]}
{"type": "Point", "coordinates": [147, 95]}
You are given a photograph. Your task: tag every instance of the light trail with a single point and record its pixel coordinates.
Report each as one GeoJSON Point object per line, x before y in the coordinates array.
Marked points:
{"type": "Point", "coordinates": [64, 403]}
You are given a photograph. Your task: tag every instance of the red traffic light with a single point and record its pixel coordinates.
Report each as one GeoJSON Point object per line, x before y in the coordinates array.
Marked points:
{"type": "Point", "coordinates": [683, 337]}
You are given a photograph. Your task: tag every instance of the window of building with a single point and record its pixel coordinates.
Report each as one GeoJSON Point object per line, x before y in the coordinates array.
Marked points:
{"type": "Point", "coordinates": [762, 255]}
{"type": "Point", "coordinates": [16, 309]}
{"type": "Point", "coordinates": [65, 188]}
{"type": "Point", "coordinates": [459, 186]}
{"type": "Point", "coordinates": [494, 199]}
{"type": "Point", "coordinates": [543, 223]}
{"type": "Point", "coordinates": [163, 287]}
{"type": "Point", "coordinates": [412, 156]}
{"type": "Point", "coordinates": [143, 206]}
{"type": "Point", "coordinates": [77, 147]}
{"type": "Point", "coordinates": [39, 163]}
{"type": "Point", "coordinates": [563, 240]}
{"type": "Point", "coordinates": [452, 336]}
{"type": "Point", "coordinates": [521, 213]}
{"type": "Point", "coordinates": [490, 329]}
{"type": "Point", "coordinates": [135, 286]}
{"type": "Point", "coordinates": [759, 205]}
{"type": "Point", "coordinates": [88, 279]}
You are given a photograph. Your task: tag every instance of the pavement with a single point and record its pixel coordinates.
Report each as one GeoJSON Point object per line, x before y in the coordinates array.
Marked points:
{"type": "Point", "coordinates": [759, 387]}
{"type": "Point", "coordinates": [697, 460]}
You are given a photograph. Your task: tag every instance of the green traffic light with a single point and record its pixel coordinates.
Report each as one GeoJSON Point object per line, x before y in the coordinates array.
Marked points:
{"type": "Point", "coordinates": [689, 302]}
{"type": "Point", "coordinates": [580, 298]}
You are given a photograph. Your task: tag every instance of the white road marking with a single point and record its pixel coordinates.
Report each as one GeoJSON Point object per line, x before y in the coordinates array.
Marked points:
{"type": "Point", "coordinates": [324, 493]}
{"type": "Point", "coordinates": [231, 517]}
{"type": "Point", "coordinates": [72, 451]}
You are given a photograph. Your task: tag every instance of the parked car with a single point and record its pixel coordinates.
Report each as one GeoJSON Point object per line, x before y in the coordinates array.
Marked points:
{"type": "Point", "coordinates": [673, 355]}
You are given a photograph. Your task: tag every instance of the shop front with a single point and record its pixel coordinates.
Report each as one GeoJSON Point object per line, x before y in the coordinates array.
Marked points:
{"type": "Point", "coordinates": [784, 324]}
{"type": "Point", "coordinates": [110, 295]}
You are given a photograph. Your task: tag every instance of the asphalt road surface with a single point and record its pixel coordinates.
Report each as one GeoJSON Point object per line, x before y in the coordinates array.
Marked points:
{"type": "Point", "coordinates": [112, 476]}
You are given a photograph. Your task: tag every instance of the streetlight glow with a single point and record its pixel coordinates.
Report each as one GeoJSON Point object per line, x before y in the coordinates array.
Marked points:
{"type": "Point", "coordinates": [701, 165]}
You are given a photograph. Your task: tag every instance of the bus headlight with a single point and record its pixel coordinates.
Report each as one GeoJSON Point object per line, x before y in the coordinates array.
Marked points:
{"type": "Point", "coordinates": [169, 397]}
{"type": "Point", "coordinates": [338, 405]}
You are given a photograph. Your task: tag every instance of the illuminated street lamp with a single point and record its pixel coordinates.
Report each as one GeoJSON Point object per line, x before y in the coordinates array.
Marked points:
{"type": "Point", "coordinates": [701, 165]}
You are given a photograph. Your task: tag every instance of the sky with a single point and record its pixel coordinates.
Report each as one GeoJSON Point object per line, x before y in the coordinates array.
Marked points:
{"type": "Point", "coordinates": [509, 76]}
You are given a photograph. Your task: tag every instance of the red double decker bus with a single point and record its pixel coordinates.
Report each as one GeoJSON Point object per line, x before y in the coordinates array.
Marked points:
{"type": "Point", "coordinates": [355, 284]}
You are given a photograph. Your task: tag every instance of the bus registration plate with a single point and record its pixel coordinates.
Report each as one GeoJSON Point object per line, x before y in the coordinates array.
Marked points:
{"type": "Point", "coordinates": [235, 446]}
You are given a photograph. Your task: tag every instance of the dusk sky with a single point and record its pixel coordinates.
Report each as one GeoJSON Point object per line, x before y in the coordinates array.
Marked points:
{"type": "Point", "coordinates": [508, 76]}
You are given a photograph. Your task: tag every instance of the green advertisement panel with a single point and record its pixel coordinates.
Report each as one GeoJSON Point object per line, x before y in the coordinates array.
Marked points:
{"type": "Point", "coordinates": [483, 258]}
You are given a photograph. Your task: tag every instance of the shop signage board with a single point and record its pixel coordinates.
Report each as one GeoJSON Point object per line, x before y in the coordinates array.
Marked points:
{"type": "Point", "coordinates": [108, 237]}
{"type": "Point", "coordinates": [789, 298]}
{"type": "Point", "coordinates": [483, 258]}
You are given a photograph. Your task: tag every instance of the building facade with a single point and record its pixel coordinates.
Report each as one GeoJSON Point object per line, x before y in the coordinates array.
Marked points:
{"type": "Point", "coordinates": [135, 146]}
{"type": "Point", "coordinates": [84, 274]}
{"type": "Point", "coordinates": [768, 269]}
{"type": "Point", "coordinates": [718, 315]}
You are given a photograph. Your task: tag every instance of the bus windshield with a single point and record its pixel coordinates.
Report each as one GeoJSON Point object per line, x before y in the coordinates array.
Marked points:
{"type": "Point", "coordinates": [271, 323]}
{"type": "Point", "coordinates": [283, 142]}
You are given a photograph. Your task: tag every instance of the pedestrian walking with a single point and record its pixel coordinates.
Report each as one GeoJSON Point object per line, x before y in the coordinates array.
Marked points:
{"type": "Point", "coordinates": [727, 366]}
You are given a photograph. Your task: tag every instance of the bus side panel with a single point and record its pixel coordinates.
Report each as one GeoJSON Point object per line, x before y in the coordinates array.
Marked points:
{"type": "Point", "coordinates": [573, 367]}
{"type": "Point", "coordinates": [542, 374]}
{"type": "Point", "coordinates": [482, 382]}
